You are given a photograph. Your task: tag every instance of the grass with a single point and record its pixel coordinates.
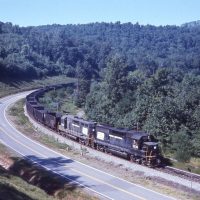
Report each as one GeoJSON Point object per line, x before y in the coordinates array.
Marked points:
{"type": "Point", "coordinates": [15, 188]}
{"type": "Point", "coordinates": [65, 98]}
{"type": "Point", "coordinates": [193, 165]}
{"type": "Point", "coordinates": [127, 174]}
{"type": "Point", "coordinates": [11, 86]}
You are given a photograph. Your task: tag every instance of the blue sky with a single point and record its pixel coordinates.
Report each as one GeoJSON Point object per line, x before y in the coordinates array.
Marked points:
{"type": "Point", "coordinates": [155, 12]}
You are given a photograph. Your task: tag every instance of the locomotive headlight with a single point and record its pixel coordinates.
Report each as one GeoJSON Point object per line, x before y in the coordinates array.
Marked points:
{"type": "Point", "coordinates": [155, 147]}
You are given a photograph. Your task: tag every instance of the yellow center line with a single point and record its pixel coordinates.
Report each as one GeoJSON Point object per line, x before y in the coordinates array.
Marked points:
{"type": "Point", "coordinates": [117, 188]}
{"type": "Point", "coordinates": [22, 143]}
{"type": "Point", "coordinates": [77, 171]}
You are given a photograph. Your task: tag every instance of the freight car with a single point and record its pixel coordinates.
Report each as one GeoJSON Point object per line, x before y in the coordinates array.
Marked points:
{"type": "Point", "coordinates": [52, 120]}
{"type": "Point", "coordinates": [136, 146]}
{"type": "Point", "coordinates": [39, 113]}
{"type": "Point", "coordinates": [30, 106]}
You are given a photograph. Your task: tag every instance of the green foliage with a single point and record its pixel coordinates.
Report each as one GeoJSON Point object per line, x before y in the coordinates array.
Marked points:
{"type": "Point", "coordinates": [196, 144]}
{"type": "Point", "coordinates": [182, 145]}
{"type": "Point", "coordinates": [105, 96]}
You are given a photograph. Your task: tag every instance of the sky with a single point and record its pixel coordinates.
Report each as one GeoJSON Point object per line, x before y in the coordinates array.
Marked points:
{"type": "Point", "coordinates": [154, 12]}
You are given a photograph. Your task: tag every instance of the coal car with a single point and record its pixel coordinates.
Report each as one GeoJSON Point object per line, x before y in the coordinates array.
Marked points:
{"type": "Point", "coordinates": [52, 120]}
{"type": "Point", "coordinates": [39, 113]}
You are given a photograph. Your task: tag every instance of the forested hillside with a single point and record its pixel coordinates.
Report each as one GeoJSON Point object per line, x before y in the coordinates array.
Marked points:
{"type": "Point", "coordinates": [46, 50]}
{"type": "Point", "coordinates": [128, 75]}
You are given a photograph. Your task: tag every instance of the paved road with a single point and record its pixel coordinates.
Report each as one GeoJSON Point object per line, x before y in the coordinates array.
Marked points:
{"type": "Point", "coordinates": [105, 185]}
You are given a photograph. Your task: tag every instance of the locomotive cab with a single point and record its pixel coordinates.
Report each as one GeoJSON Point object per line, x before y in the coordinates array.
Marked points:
{"type": "Point", "coordinates": [63, 124]}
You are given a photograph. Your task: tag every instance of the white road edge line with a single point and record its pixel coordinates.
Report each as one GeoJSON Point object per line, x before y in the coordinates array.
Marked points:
{"type": "Point", "coordinates": [76, 160]}
{"type": "Point", "coordinates": [55, 172]}
{"type": "Point", "coordinates": [1, 141]}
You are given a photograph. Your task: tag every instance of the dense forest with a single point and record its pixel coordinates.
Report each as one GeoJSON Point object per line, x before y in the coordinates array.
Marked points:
{"type": "Point", "coordinates": [128, 75]}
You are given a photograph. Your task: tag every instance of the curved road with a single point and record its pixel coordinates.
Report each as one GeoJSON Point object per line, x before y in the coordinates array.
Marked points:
{"type": "Point", "coordinates": [105, 185]}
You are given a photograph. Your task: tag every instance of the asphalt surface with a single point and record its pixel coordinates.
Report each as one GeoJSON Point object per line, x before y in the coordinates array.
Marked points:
{"type": "Point", "coordinates": [103, 184]}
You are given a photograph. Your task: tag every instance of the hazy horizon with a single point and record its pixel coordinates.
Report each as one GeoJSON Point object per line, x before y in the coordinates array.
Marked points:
{"type": "Point", "coordinates": [47, 12]}
{"type": "Point", "coordinates": [97, 22]}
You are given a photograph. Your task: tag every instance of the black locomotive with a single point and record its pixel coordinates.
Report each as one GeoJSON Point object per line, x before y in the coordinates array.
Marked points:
{"type": "Point", "coordinates": [138, 146]}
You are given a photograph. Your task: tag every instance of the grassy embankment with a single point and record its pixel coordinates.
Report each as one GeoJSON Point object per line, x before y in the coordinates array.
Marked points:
{"type": "Point", "coordinates": [193, 165]}
{"type": "Point", "coordinates": [24, 125]}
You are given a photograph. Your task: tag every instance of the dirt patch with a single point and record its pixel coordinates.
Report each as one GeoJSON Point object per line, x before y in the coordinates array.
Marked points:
{"type": "Point", "coordinates": [5, 161]}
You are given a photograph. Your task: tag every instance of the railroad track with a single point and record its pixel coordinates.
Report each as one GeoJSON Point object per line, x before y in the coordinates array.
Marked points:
{"type": "Point", "coordinates": [181, 173]}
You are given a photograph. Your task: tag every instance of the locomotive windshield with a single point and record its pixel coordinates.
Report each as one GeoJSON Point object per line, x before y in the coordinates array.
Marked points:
{"type": "Point", "coordinates": [152, 146]}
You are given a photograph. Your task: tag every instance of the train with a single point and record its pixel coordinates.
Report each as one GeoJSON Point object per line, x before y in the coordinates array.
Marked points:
{"type": "Point", "coordinates": [136, 146]}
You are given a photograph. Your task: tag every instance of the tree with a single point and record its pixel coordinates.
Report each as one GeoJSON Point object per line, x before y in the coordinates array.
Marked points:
{"type": "Point", "coordinates": [182, 145]}
{"type": "Point", "coordinates": [115, 80]}
{"type": "Point", "coordinates": [82, 85]}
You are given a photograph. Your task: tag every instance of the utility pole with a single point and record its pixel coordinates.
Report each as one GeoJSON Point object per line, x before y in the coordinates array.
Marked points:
{"type": "Point", "coordinates": [191, 178]}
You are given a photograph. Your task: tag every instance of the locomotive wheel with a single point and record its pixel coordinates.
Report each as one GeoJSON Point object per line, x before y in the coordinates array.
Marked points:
{"type": "Point", "coordinates": [143, 162]}
{"type": "Point", "coordinates": [132, 158]}
{"type": "Point", "coordinates": [98, 148]}
{"type": "Point", "coordinates": [139, 161]}
{"type": "Point", "coordinates": [87, 142]}
{"type": "Point", "coordinates": [107, 151]}
{"type": "Point", "coordinates": [93, 145]}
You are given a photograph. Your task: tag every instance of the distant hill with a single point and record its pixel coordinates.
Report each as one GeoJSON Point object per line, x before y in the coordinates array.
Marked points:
{"type": "Point", "coordinates": [191, 24]}
{"type": "Point", "coordinates": [34, 52]}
